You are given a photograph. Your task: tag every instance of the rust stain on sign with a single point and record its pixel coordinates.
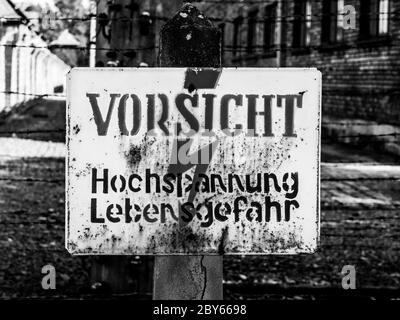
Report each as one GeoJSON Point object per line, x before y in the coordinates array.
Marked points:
{"type": "Point", "coordinates": [193, 161]}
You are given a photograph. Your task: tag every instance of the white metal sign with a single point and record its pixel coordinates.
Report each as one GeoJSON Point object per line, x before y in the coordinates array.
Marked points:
{"type": "Point", "coordinates": [193, 161]}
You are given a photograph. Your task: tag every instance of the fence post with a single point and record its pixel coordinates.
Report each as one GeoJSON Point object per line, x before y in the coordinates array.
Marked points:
{"type": "Point", "coordinates": [189, 40]}
{"type": "Point", "coordinates": [118, 274]}
{"type": "Point", "coordinates": [279, 34]}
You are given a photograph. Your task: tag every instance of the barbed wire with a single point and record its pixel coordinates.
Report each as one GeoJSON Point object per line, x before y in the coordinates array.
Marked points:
{"type": "Point", "coordinates": [326, 209]}
{"type": "Point", "coordinates": [52, 249]}
{"type": "Point", "coordinates": [56, 216]}
{"type": "Point", "coordinates": [325, 91]}
{"type": "Point", "coordinates": [36, 95]}
{"type": "Point", "coordinates": [79, 48]}
{"type": "Point", "coordinates": [362, 179]}
{"type": "Point", "coordinates": [391, 134]}
{"type": "Point", "coordinates": [3, 132]}
{"type": "Point", "coordinates": [330, 179]}
{"type": "Point", "coordinates": [346, 123]}
{"type": "Point", "coordinates": [324, 224]}
{"type": "Point", "coordinates": [32, 179]}
{"type": "Point", "coordinates": [345, 139]}
{"type": "Point", "coordinates": [283, 17]}
{"type": "Point", "coordinates": [249, 50]}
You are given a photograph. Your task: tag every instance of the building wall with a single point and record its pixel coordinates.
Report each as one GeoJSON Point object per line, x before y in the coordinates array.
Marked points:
{"type": "Point", "coordinates": [361, 79]}
{"type": "Point", "coordinates": [128, 36]}
{"type": "Point", "coordinates": [27, 67]}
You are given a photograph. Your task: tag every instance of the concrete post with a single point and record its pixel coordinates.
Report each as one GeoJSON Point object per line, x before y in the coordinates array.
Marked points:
{"type": "Point", "coordinates": [117, 274]}
{"type": "Point", "coordinates": [279, 34]}
{"type": "Point", "coordinates": [189, 39]}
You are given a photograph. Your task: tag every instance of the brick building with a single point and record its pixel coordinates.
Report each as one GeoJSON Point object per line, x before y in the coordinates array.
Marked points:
{"type": "Point", "coordinates": [360, 65]}
{"type": "Point", "coordinates": [128, 31]}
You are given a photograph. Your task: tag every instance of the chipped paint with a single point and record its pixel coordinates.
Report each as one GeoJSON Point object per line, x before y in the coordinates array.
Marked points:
{"type": "Point", "coordinates": [108, 163]}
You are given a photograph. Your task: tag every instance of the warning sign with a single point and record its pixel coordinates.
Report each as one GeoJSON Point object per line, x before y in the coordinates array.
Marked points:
{"type": "Point", "coordinates": [193, 161]}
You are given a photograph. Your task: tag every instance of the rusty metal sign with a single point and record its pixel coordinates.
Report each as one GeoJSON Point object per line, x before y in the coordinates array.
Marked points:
{"type": "Point", "coordinates": [193, 161]}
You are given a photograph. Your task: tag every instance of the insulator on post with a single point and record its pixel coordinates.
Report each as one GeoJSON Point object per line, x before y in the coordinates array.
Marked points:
{"type": "Point", "coordinates": [145, 23]}
{"type": "Point", "coordinates": [103, 19]}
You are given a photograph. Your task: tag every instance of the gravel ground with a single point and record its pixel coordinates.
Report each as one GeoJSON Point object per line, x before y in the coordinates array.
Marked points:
{"type": "Point", "coordinates": [359, 227]}
{"type": "Point", "coordinates": [360, 214]}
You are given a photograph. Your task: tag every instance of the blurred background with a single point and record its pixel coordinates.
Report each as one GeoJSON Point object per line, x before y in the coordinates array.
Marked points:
{"type": "Point", "coordinates": [356, 46]}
